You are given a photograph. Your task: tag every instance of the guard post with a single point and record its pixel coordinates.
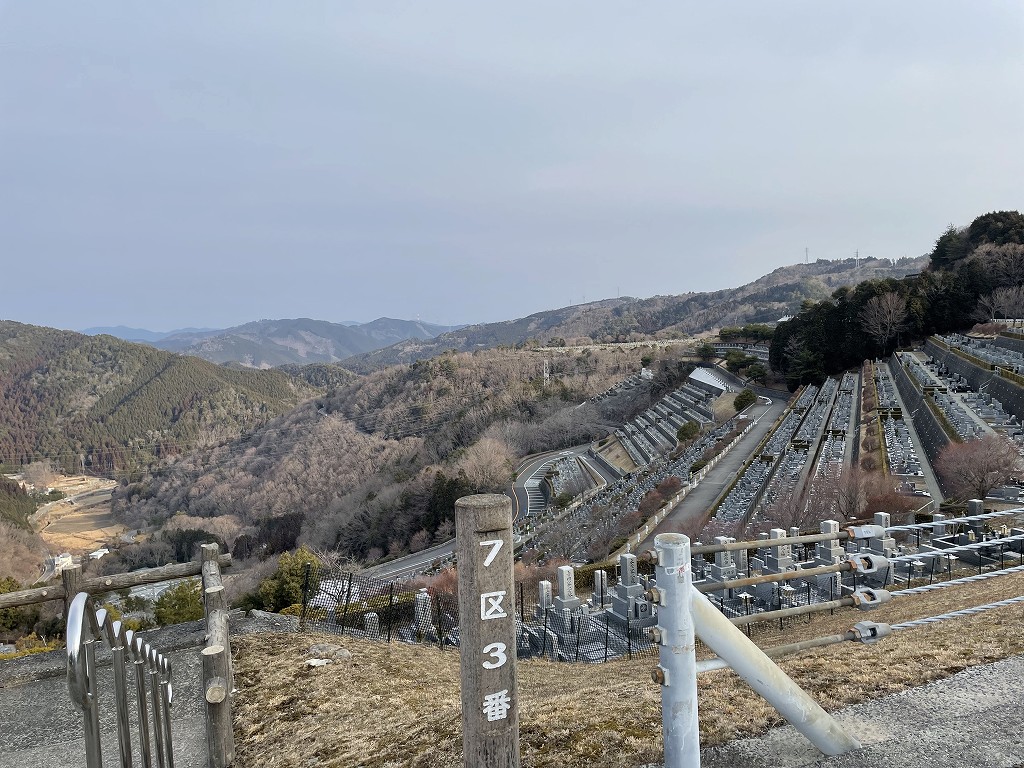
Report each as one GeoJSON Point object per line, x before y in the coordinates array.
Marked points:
{"type": "Point", "coordinates": [677, 670]}
{"type": "Point", "coordinates": [487, 632]}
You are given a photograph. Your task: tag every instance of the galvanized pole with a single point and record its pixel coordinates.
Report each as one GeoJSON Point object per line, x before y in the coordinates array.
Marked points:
{"type": "Point", "coordinates": [761, 674]}
{"type": "Point", "coordinates": [677, 668]}
{"type": "Point", "coordinates": [487, 632]}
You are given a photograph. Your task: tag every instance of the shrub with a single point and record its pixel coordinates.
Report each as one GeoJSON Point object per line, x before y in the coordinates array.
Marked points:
{"type": "Point", "coordinates": [182, 602]}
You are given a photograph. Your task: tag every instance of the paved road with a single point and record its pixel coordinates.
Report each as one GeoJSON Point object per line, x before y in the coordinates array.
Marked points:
{"type": "Point", "coordinates": [700, 499]}
{"type": "Point", "coordinates": [410, 565]}
{"type": "Point", "coordinates": [972, 718]}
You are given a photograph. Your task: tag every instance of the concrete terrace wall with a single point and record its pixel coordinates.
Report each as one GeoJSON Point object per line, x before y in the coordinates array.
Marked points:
{"type": "Point", "coordinates": [1010, 342]}
{"type": "Point", "coordinates": [1008, 393]}
{"type": "Point", "coordinates": [933, 436]}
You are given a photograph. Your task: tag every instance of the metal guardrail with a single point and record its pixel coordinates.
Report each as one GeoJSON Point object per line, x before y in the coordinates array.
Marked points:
{"type": "Point", "coordinates": [86, 627]}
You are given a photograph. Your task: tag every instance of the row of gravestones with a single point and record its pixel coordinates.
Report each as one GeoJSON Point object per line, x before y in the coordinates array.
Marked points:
{"type": "Point", "coordinates": [622, 611]}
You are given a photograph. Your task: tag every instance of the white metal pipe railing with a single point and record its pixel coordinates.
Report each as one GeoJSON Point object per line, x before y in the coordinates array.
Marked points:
{"type": "Point", "coordinates": [677, 669]}
{"type": "Point", "coordinates": [774, 685]}
{"type": "Point", "coordinates": [86, 627]}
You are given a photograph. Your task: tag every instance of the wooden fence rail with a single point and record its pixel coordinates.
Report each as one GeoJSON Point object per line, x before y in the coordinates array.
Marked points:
{"type": "Point", "coordinates": [74, 582]}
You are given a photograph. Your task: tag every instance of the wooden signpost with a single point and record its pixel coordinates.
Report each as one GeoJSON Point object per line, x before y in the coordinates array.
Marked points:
{"type": "Point", "coordinates": [487, 632]}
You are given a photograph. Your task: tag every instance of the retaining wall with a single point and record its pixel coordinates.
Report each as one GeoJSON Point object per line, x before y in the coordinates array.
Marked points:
{"type": "Point", "coordinates": [1008, 393]}
{"type": "Point", "coordinates": [930, 432]}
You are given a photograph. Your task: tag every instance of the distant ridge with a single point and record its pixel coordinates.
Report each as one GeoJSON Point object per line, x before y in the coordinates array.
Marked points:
{"type": "Point", "coordinates": [298, 341]}
{"type": "Point", "coordinates": [106, 404]}
{"type": "Point", "coordinates": [125, 333]}
{"type": "Point", "coordinates": [767, 299]}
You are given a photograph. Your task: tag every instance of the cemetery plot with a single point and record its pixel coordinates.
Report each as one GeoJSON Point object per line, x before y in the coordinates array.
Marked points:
{"type": "Point", "coordinates": [553, 620]}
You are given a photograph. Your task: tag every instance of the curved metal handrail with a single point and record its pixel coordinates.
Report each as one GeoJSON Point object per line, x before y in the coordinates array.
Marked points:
{"type": "Point", "coordinates": [84, 628]}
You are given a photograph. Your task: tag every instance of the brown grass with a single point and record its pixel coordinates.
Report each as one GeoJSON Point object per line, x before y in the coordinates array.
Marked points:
{"type": "Point", "coordinates": [398, 705]}
{"type": "Point", "coordinates": [617, 455]}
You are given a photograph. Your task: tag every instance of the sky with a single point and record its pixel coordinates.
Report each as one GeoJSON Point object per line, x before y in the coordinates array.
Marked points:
{"type": "Point", "coordinates": [198, 163]}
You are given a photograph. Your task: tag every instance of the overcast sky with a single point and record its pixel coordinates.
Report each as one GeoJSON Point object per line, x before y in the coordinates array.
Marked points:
{"type": "Point", "coordinates": [206, 163]}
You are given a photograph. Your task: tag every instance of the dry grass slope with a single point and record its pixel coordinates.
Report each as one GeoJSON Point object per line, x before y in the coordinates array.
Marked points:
{"type": "Point", "coordinates": [398, 705]}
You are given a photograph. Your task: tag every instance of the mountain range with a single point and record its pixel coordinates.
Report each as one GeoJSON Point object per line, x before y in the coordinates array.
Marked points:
{"type": "Point", "coordinates": [99, 402]}
{"type": "Point", "coordinates": [775, 295]}
{"type": "Point", "coordinates": [272, 343]}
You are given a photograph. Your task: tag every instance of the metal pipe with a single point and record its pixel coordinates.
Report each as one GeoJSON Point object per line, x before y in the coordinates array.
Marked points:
{"type": "Point", "coordinates": [732, 546]}
{"type": "Point", "coordinates": [154, 691]}
{"type": "Point", "coordinates": [716, 586]}
{"type": "Point", "coordinates": [798, 610]}
{"type": "Point", "coordinates": [761, 674]}
{"type": "Point", "coordinates": [93, 747]}
{"type": "Point", "coordinates": [677, 670]}
{"type": "Point", "coordinates": [709, 665]}
{"type": "Point", "coordinates": [957, 548]}
{"type": "Point", "coordinates": [848, 533]}
{"type": "Point", "coordinates": [140, 651]}
{"type": "Point", "coordinates": [115, 637]}
{"type": "Point", "coordinates": [853, 532]}
{"type": "Point", "coordinates": [166, 696]}
{"type": "Point", "coordinates": [955, 520]}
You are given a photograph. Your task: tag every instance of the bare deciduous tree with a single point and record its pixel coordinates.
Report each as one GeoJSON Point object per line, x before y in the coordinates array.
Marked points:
{"type": "Point", "coordinates": [884, 316]}
{"type": "Point", "coordinates": [488, 465]}
{"type": "Point", "coordinates": [974, 468]}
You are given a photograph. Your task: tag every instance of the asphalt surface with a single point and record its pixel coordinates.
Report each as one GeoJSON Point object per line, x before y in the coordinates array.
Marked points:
{"type": "Point", "coordinates": [39, 726]}
{"type": "Point", "coordinates": [703, 497]}
{"type": "Point", "coordinates": [972, 719]}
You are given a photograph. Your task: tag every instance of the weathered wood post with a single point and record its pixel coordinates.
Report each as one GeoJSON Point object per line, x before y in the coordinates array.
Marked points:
{"type": "Point", "coordinates": [218, 678]}
{"type": "Point", "coordinates": [487, 632]}
{"type": "Point", "coordinates": [71, 578]}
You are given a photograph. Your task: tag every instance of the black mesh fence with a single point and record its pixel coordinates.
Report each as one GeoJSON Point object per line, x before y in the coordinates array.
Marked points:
{"type": "Point", "coordinates": [405, 611]}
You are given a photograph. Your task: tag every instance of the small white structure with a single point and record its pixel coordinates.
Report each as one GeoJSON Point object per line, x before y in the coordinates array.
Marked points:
{"type": "Point", "coordinates": [99, 553]}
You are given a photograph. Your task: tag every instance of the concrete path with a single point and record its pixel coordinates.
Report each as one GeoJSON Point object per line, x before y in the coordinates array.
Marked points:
{"type": "Point", "coordinates": [931, 482]}
{"type": "Point", "coordinates": [707, 492]}
{"type": "Point", "coordinates": [974, 718]}
{"type": "Point", "coordinates": [39, 726]}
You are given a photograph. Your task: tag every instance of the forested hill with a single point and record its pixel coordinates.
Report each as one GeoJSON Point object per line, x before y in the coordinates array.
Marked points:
{"type": "Point", "coordinates": [112, 403]}
{"type": "Point", "coordinates": [375, 466]}
{"type": "Point", "coordinates": [768, 298]}
{"type": "Point", "coordinates": [974, 274]}
{"type": "Point", "coordinates": [269, 343]}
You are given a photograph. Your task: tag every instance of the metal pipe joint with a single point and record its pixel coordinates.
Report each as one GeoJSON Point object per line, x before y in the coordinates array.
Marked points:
{"type": "Point", "coordinates": [865, 531]}
{"type": "Point", "coordinates": [867, 562]}
{"type": "Point", "coordinates": [866, 598]}
{"type": "Point", "coordinates": [869, 633]}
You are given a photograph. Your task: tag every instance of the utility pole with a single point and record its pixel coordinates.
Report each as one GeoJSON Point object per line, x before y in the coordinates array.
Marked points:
{"type": "Point", "coordinates": [807, 255]}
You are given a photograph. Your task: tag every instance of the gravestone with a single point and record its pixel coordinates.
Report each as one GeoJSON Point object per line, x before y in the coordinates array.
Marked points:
{"type": "Point", "coordinates": [829, 553]}
{"type": "Point", "coordinates": [600, 598]}
{"type": "Point", "coordinates": [371, 625]}
{"type": "Point", "coordinates": [884, 545]}
{"type": "Point", "coordinates": [566, 600]}
{"type": "Point", "coordinates": [423, 621]}
{"type": "Point", "coordinates": [724, 567]}
{"type": "Point", "coordinates": [629, 591]}
{"type": "Point", "coordinates": [544, 602]}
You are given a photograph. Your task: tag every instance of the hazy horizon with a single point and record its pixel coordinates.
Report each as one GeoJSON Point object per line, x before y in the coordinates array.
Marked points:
{"type": "Point", "coordinates": [211, 164]}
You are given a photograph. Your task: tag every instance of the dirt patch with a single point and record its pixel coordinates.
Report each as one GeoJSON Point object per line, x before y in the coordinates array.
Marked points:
{"type": "Point", "coordinates": [617, 455]}
{"type": "Point", "coordinates": [81, 522]}
{"type": "Point", "coordinates": [398, 705]}
{"type": "Point", "coordinates": [723, 407]}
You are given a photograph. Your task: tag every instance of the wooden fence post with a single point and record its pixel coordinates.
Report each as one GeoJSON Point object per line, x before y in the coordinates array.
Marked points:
{"type": "Point", "coordinates": [218, 679]}
{"type": "Point", "coordinates": [487, 632]}
{"type": "Point", "coordinates": [71, 578]}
